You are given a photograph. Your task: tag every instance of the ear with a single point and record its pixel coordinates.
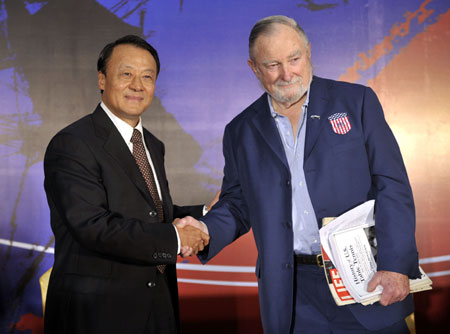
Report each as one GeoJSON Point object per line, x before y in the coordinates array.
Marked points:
{"type": "Point", "coordinates": [101, 80]}
{"type": "Point", "coordinates": [308, 51]}
{"type": "Point", "coordinates": [252, 65]}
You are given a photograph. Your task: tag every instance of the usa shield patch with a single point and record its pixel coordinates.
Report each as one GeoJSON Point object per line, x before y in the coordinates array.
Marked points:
{"type": "Point", "coordinates": [340, 123]}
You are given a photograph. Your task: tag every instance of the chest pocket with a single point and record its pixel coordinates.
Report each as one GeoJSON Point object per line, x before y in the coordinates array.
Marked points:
{"type": "Point", "coordinates": [349, 147]}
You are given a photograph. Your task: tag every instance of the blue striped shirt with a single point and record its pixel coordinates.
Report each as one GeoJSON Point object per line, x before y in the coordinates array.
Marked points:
{"type": "Point", "coordinates": [304, 221]}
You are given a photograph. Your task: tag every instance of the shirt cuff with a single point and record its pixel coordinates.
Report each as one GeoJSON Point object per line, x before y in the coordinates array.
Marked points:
{"type": "Point", "coordinates": [178, 240]}
{"type": "Point", "coordinates": [204, 227]}
{"type": "Point", "coordinates": [205, 210]}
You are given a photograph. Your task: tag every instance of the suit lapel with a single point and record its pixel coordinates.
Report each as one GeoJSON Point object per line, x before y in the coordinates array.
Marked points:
{"type": "Point", "coordinates": [317, 113]}
{"type": "Point", "coordinates": [265, 124]}
{"type": "Point", "coordinates": [115, 146]}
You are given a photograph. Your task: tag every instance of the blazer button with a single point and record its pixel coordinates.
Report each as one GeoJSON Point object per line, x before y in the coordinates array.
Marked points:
{"type": "Point", "coordinates": [151, 284]}
{"type": "Point", "coordinates": [152, 213]}
{"type": "Point", "coordinates": [288, 224]}
{"type": "Point", "coordinates": [288, 183]}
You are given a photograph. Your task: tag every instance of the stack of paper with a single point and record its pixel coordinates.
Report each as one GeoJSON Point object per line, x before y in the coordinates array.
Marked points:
{"type": "Point", "coordinates": [349, 242]}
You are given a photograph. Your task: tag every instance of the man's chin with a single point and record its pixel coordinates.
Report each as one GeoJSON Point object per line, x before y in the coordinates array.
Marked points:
{"type": "Point", "coordinates": [287, 98]}
{"type": "Point", "coordinates": [137, 107]}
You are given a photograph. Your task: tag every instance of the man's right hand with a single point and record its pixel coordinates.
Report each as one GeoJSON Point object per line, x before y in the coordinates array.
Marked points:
{"type": "Point", "coordinates": [191, 223]}
{"type": "Point", "coordinates": [192, 239]}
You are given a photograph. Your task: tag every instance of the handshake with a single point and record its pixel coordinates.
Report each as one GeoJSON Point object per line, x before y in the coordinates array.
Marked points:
{"type": "Point", "coordinates": [193, 235]}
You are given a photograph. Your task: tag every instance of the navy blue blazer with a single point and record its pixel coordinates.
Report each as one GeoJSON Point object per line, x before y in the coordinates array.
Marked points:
{"type": "Point", "coordinates": [342, 171]}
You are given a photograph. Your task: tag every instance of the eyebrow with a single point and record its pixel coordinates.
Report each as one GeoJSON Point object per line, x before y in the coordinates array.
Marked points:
{"type": "Point", "coordinates": [267, 62]}
{"type": "Point", "coordinates": [295, 54]}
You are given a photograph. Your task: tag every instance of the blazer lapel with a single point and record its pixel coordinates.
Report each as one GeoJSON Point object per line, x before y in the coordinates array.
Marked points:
{"type": "Point", "coordinates": [266, 126]}
{"type": "Point", "coordinates": [117, 148]}
{"type": "Point", "coordinates": [317, 113]}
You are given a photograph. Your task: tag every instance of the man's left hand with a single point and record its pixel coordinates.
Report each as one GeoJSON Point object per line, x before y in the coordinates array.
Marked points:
{"type": "Point", "coordinates": [395, 286]}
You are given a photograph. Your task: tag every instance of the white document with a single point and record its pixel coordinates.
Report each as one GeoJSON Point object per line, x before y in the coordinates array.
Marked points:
{"type": "Point", "coordinates": [356, 262]}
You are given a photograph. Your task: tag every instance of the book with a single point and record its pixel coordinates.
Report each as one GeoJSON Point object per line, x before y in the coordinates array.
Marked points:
{"type": "Point", "coordinates": [349, 251]}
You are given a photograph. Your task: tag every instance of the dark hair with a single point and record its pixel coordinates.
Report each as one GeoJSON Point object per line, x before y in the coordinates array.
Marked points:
{"type": "Point", "coordinates": [265, 26]}
{"type": "Point", "coordinates": [137, 41]}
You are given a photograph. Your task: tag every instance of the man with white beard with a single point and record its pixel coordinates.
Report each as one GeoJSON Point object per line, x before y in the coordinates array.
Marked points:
{"type": "Point", "coordinates": [311, 148]}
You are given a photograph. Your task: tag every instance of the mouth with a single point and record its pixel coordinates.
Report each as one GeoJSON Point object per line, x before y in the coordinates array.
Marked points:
{"type": "Point", "coordinates": [284, 84]}
{"type": "Point", "coordinates": [134, 98]}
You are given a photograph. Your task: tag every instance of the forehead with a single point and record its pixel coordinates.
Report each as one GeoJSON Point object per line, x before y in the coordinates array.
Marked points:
{"type": "Point", "coordinates": [130, 55]}
{"type": "Point", "coordinates": [282, 42]}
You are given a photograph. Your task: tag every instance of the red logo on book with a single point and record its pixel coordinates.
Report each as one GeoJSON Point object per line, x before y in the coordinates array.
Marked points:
{"type": "Point", "coordinates": [339, 286]}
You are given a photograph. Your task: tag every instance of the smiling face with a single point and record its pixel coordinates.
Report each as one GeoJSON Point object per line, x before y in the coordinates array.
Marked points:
{"type": "Point", "coordinates": [282, 64]}
{"type": "Point", "coordinates": [129, 83]}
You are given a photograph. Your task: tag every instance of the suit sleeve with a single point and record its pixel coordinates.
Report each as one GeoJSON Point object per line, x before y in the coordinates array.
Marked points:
{"type": "Point", "coordinates": [228, 219]}
{"type": "Point", "coordinates": [79, 206]}
{"type": "Point", "coordinates": [394, 212]}
{"type": "Point", "coordinates": [195, 211]}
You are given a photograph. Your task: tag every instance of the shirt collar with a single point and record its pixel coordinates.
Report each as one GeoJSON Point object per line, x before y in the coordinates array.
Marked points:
{"type": "Point", "coordinates": [125, 129]}
{"type": "Point", "coordinates": [275, 114]}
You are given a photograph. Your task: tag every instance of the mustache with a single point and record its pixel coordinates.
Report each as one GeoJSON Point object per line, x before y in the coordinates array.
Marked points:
{"type": "Point", "coordinates": [282, 83]}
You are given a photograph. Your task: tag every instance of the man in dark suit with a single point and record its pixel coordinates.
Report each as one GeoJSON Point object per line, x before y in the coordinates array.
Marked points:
{"type": "Point", "coordinates": [311, 148]}
{"type": "Point", "coordinates": [111, 210]}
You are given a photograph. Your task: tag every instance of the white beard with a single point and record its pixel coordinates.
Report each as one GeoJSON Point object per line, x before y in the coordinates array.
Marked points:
{"type": "Point", "coordinates": [293, 95]}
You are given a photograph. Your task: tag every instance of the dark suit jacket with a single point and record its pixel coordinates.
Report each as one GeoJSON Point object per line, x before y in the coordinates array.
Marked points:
{"type": "Point", "coordinates": [342, 171]}
{"type": "Point", "coordinates": [107, 237]}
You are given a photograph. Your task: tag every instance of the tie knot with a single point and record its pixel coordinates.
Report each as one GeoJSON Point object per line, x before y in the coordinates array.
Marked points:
{"type": "Point", "coordinates": [136, 137]}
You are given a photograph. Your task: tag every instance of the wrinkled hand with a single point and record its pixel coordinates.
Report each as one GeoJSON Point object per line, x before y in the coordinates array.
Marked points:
{"type": "Point", "coordinates": [189, 222]}
{"type": "Point", "coordinates": [395, 286]}
{"type": "Point", "coordinates": [214, 201]}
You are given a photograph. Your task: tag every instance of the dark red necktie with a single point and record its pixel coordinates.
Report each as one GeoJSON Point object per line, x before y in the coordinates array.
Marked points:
{"type": "Point", "coordinates": [141, 159]}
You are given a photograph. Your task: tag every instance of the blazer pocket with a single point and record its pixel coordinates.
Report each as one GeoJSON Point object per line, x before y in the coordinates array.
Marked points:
{"type": "Point", "coordinates": [356, 144]}
{"type": "Point", "coordinates": [95, 266]}
{"type": "Point", "coordinates": [84, 284]}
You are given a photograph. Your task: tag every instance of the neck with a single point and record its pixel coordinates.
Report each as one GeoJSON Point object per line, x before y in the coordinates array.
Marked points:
{"type": "Point", "coordinates": [292, 111]}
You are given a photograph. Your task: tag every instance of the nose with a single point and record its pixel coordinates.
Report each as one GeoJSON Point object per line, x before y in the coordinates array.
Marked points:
{"type": "Point", "coordinates": [136, 83]}
{"type": "Point", "coordinates": [286, 73]}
